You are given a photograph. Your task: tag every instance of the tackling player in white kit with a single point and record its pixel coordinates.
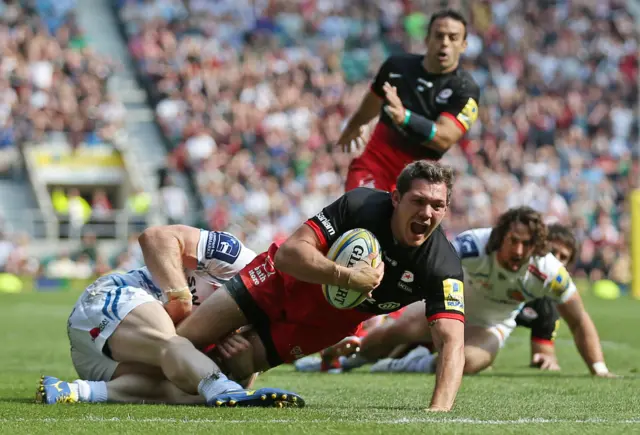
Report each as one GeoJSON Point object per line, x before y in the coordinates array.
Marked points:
{"type": "Point", "coordinates": [504, 266]}
{"type": "Point", "coordinates": [122, 332]}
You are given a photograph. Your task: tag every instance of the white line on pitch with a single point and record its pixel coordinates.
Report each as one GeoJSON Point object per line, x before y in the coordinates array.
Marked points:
{"type": "Point", "coordinates": [99, 419]}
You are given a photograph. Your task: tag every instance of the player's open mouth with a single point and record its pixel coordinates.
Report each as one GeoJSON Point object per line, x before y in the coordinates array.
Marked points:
{"type": "Point", "coordinates": [419, 228]}
{"type": "Point", "coordinates": [516, 262]}
{"type": "Point", "coordinates": [442, 55]}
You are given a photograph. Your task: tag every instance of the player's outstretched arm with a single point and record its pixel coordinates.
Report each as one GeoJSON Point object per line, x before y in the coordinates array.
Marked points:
{"type": "Point", "coordinates": [301, 257]}
{"type": "Point", "coordinates": [585, 334]}
{"type": "Point", "coordinates": [167, 249]}
{"type": "Point", "coordinates": [448, 337]}
{"type": "Point", "coordinates": [356, 126]}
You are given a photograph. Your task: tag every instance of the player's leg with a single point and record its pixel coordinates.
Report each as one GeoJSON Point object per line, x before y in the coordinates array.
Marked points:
{"type": "Point", "coordinates": [147, 335]}
{"type": "Point", "coordinates": [481, 346]}
{"type": "Point", "coordinates": [410, 327]}
{"type": "Point", "coordinates": [137, 382]}
{"type": "Point", "coordinates": [219, 316]}
{"type": "Point", "coordinates": [359, 176]}
{"type": "Point", "coordinates": [363, 173]}
{"type": "Point", "coordinates": [135, 328]}
{"type": "Point", "coordinates": [139, 388]}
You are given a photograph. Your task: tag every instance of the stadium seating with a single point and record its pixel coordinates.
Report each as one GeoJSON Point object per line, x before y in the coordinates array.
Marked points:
{"type": "Point", "coordinates": [252, 100]}
{"type": "Point", "coordinates": [57, 116]}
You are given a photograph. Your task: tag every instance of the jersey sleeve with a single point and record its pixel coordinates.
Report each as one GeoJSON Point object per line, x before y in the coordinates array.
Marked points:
{"type": "Point", "coordinates": [558, 284]}
{"type": "Point", "coordinates": [446, 298]}
{"type": "Point", "coordinates": [462, 105]}
{"type": "Point", "coordinates": [221, 255]}
{"type": "Point", "coordinates": [471, 243]}
{"type": "Point", "coordinates": [337, 217]}
{"type": "Point", "coordinates": [444, 285]}
{"type": "Point", "coordinates": [381, 76]}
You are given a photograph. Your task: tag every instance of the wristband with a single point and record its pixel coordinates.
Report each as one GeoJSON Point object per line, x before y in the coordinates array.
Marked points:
{"type": "Point", "coordinates": [434, 130]}
{"type": "Point", "coordinates": [407, 116]}
{"type": "Point", "coordinates": [182, 294]}
{"type": "Point", "coordinates": [600, 368]}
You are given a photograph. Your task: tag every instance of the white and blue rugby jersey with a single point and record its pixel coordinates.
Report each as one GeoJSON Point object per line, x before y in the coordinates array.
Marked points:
{"type": "Point", "coordinates": [493, 294]}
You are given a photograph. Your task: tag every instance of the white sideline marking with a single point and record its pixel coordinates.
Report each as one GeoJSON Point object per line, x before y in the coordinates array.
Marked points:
{"type": "Point", "coordinates": [98, 419]}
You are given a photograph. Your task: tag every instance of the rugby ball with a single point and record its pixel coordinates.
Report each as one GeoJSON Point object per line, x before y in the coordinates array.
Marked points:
{"type": "Point", "coordinates": [351, 247]}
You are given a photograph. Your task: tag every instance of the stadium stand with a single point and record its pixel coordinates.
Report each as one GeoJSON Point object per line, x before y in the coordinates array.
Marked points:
{"type": "Point", "coordinates": [251, 96]}
{"type": "Point", "coordinates": [63, 169]}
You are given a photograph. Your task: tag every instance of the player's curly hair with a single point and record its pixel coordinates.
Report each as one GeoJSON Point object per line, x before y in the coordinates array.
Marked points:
{"type": "Point", "coordinates": [563, 234]}
{"type": "Point", "coordinates": [432, 172]}
{"type": "Point", "coordinates": [527, 216]}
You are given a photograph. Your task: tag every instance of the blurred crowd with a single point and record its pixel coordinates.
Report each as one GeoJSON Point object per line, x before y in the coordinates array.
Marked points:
{"type": "Point", "coordinates": [52, 84]}
{"type": "Point", "coordinates": [85, 262]}
{"type": "Point", "coordinates": [252, 95]}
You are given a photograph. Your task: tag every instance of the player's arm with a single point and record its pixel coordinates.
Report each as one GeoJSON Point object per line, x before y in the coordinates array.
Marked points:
{"type": "Point", "coordinates": [302, 255]}
{"type": "Point", "coordinates": [167, 249]}
{"type": "Point", "coordinates": [585, 334]}
{"type": "Point", "coordinates": [543, 331]}
{"type": "Point", "coordinates": [456, 119]}
{"type": "Point", "coordinates": [445, 312]}
{"type": "Point", "coordinates": [571, 309]}
{"type": "Point", "coordinates": [369, 108]}
{"type": "Point", "coordinates": [448, 337]}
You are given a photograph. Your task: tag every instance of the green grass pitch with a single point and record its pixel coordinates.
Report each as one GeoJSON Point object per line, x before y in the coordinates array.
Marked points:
{"type": "Point", "coordinates": [510, 398]}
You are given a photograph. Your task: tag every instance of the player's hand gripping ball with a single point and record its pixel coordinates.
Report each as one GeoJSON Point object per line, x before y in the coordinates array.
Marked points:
{"type": "Point", "coordinates": [352, 247]}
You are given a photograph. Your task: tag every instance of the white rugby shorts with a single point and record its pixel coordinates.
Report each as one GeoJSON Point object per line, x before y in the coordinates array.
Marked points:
{"type": "Point", "coordinates": [94, 318]}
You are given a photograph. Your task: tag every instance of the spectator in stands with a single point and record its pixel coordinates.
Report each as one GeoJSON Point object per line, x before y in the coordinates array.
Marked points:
{"type": "Point", "coordinates": [88, 247]}
{"type": "Point", "coordinates": [100, 205]}
{"type": "Point", "coordinates": [264, 87]}
{"type": "Point", "coordinates": [78, 212]}
{"type": "Point", "coordinates": [51, 84]}
{"type": "Point", "coordinates": [174, 201]}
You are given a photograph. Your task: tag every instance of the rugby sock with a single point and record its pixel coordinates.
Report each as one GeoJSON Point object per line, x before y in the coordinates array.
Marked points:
{"type": "Point", "coordinates": [216, 384]}
{"type": "Point", "coordinates": [424, 364]}
{"type": "Point", "coordinates": [352, 362]}
{"type": "Point", "coordinates": [90, 391]}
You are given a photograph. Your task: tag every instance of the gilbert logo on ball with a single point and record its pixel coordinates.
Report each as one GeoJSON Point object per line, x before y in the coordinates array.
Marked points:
{"type": "Point", "coordinates": [351, 247]}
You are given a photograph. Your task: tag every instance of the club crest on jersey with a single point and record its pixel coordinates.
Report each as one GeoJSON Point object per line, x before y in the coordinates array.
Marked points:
{"type": "Point", "coordinates": [453, 294]}
{"type": "Point", "coordinates": [407, 276]}
{"type": "Point", "coordinates": [444, 96]}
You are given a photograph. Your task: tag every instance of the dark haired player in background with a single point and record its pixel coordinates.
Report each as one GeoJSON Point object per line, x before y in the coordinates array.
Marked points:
{"type": "Point", "coordinates": [426, 104]}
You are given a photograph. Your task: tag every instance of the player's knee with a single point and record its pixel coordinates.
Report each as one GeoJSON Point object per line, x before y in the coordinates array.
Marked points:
{"type": "Point", "coordinates": [476, 359]}
{"type": "Point", "coordinates": [172, 358]}
{"type": "Point", "coordinates": [475, 367]}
